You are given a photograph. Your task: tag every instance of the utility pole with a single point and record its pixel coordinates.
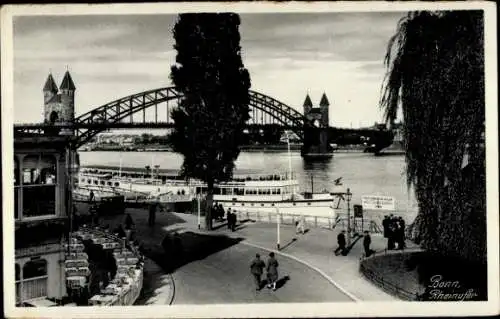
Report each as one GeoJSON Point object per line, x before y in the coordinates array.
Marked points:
{"type": "Point", "coordinates": [348, 217]}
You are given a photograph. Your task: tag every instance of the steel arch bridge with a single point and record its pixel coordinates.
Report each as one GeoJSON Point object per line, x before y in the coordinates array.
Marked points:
{"type": "Point", "coordinates": [122, 113]}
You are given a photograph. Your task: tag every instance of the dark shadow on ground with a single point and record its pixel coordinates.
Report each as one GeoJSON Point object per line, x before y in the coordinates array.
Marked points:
{"type": "Point", "coordinates": [282, 281]}
{"type": "Point", "coordinates": [287, 245]}
{"type": "Point", "coordinates": [349, 248]}
{"type": "Point", "coordinates": [240, 226]}
{"type": "Point", "coordinates": [173, 247]}
{"type": "Point", "coordinates": [182, 248]}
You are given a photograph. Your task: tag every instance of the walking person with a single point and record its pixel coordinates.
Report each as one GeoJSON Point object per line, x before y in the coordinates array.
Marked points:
{"type": "Point", "coordinates": [367, 240]}
{"type": "Point", "coordinates": [152, 214]}
{"type": "Point", "coordinates": [233, 221]}
{"type": "Point", "coordinates": [300, 225]}
{"type": "Point", "coordinates": [341, 243]}
{"type": "Point", "coordinates": [221, 212]}
{"type": "Point", "coordinates": [94, 214]}
{"type": "Point", "coordinates": [391, 233]}
{"type": "Point", "coordinates": [256, 267]}
{"type": "Point", "coordinates": [385, 225]}
{"type": "Point", "coordinates": [272, 271]}
{"type": "Point", "coordinates": [129, 223]}
{"type": "Point", "coordinates": [229, 218]}
{"type": "Point", "coordinates": [401, 237]}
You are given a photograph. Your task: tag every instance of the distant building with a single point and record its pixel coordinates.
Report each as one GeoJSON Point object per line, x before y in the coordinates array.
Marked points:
{"type": "Point", "coordinates": [42, 200]}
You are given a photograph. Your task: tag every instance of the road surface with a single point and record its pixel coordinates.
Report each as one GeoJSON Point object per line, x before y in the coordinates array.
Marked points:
{"type": "Point", "coordinates": [224, 277]}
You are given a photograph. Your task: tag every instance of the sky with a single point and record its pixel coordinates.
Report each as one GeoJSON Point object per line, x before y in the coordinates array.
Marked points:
{"type": "Point", "coordinates": [288, 56]}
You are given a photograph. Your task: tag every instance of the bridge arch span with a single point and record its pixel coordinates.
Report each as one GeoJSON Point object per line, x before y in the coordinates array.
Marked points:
{"type": "Point", "coordinates": [117, 112]}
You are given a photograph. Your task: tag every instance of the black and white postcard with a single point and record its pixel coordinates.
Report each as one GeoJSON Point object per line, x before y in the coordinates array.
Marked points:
{"type": "Point", "coordinates": [250, 160]}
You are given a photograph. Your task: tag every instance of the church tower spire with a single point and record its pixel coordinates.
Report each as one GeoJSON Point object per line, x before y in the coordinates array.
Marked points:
{"type": "Point", "coordinates": [67, 89]}
{"type": "Point", "coordinates": [49, 89]}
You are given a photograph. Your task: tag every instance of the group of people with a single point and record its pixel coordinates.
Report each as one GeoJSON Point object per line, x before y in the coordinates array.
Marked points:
{"type": "Point", "coordinates": [394, 231]}
{"type": "Point", "coordinates": [257, 269]}
{"type": "Point", "coordinates": [218, 212]}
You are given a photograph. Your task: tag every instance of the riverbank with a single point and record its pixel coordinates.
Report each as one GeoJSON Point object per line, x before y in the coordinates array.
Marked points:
{"type": "Point", "coordinates": [245, 148]}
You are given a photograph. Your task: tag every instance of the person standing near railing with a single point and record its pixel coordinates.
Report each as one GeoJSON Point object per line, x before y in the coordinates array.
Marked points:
{"type": "Point", "coordinates": [367, 240]}
{"type": "Point", "coordinates": [341, 241]}
{"type": "Point", "coordinates": [152, 214]}
{"type": "Point", "coordinates": [300, 225]}
{"type": "Point", "coordinates": [229, 218]}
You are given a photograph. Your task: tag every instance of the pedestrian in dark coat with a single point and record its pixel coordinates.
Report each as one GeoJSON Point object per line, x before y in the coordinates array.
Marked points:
{"type": "Point", "coordinates": [94, 214]}
{"type": "Point", "coordinates": [401, 233]}
{"type": "Point", "coordinates": [256, 268]}
{"type": "Point", "coordinates": [128, 222]}
{"type": "Point", "coordinates": [229, 218]}
{"type": "Point", "coordinates": [152, 214]}
{"type": "Point", "coordinates": [367, 240]}
{"type": "Point", "coordinates": [341, 242]}
{"type": "Point", "coordinates": [385, 225]}
{"type": "Point", "coordinates": [221, 212]}
{"type": "Point", "coordinates": [272, 271]}
{"type": "Point", "coordinates": [233, 222]}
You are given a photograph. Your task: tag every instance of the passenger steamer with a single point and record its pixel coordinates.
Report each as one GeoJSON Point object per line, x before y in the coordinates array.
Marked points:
{"type": "Point", "coordinates": [104, 183]}
{"type": "Point", "coordinates": [277, 193]}
{"type": "Point", "coordinates": [271, 193]}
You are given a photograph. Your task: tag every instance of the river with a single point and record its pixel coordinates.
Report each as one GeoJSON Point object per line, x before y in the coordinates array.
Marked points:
{"type": "Point", "coordinates": [363, 173]}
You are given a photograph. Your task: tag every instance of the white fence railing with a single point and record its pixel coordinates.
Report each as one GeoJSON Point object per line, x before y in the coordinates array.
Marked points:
{"type": "Point", "coordinates": [340, 221]}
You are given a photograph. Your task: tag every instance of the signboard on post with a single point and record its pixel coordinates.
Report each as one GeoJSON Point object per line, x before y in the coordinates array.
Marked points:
{"type": "Point", "coordinates": [376, 202]}
{"type": "Point", "coordinates": [358, 211]}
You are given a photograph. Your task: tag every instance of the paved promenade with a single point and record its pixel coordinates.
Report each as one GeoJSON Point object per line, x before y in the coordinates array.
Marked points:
{"type": "Point", "coordinates": [224, 277]}
{"type": "Point", "coordinates": [223, 273]}
{"type": "Point", "coordinates": [315, 249]}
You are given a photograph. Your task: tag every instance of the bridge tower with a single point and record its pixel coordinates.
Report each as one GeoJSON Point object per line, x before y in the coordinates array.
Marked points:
{"type": "Point", "coordinates": [307, 105]}
{"type": "Point", "coordinates": [59, 104]}
{"type": "Point", "coordinates": [324, 106]}
{"type": "Point", "coordinates": [316, 137]}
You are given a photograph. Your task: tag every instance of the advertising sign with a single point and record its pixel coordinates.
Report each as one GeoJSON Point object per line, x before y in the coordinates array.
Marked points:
{"type": "Point", "coordinates": [376, 202]}
{"type": "Point", "coordinates": [358, 211]}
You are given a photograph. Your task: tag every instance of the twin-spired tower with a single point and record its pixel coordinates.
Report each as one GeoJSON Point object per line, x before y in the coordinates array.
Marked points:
{"type": "Point", "coordinates": [59, 103]}
{"type": "Point", "coordinates": [317, 143]}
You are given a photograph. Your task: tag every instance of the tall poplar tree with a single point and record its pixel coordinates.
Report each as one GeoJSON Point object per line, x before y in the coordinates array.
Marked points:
{"type": "Point", "coordinates": [213, 110]}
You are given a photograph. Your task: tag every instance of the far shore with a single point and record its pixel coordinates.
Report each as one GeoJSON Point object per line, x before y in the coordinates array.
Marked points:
{"type": "Point", "coordinates": [247, 148]}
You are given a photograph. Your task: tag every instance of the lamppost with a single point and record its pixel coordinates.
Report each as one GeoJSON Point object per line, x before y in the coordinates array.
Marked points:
{"type": "Point", "coordinates": [199, 214]}
{"type": "Point", "coordinates": [278, 228]}
{"type": "Point", "coordinates": [348, 195]}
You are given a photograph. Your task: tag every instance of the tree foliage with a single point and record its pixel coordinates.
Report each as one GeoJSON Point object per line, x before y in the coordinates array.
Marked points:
{"type": "Point", "coordinates": [435, 74]}
{"type": "Point", "coordinates": [214, 84]}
